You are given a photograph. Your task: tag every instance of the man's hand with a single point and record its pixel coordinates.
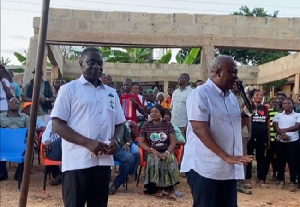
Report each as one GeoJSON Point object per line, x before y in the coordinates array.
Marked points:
{"type": "Point", "coordinates": [133, 101]}
{"type": "Point", "coordinates": [126, 147]}
{"type": "Point", "coordinates": [112, 147]}
{"type": "Point", "coordinates": [241, 160]}
{"type": "Point", "coordinates": [96, 147]}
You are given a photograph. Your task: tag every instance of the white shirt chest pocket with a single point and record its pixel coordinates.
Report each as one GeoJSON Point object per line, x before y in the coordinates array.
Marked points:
{"type": "Point", "coordinates": [110, 105]}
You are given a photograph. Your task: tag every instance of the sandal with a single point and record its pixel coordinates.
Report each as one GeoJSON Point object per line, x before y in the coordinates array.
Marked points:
{"type": "Point", "coordinates": [248, 184]}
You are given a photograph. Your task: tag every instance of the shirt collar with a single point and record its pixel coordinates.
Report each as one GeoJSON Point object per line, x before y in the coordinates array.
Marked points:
{"type": "Point", "coordinates": [83, 81]}
{"type": "Point", "coordinates": [218, 90]}
{"type": "Point", "coordinates": [283, 112]}
{"type": "Point", "coordinates": [187, 87]}
{"type": "Point", "coordinates": [7, 114]}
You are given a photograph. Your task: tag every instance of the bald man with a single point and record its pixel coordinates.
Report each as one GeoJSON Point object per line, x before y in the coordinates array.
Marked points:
{"type": "Point", "coordinates": [213, 156]}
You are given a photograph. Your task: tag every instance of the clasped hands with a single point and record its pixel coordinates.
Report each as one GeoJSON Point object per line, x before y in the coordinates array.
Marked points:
{"type": "Point", "coordinates": [101, 148]}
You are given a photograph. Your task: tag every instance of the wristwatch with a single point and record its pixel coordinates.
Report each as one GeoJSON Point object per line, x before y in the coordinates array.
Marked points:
{"type": "Point", "coordinates": [128, 143]}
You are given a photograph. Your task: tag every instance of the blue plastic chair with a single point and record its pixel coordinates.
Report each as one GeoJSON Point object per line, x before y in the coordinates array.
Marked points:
{"type": "Point", "coordinates": [13, 146]}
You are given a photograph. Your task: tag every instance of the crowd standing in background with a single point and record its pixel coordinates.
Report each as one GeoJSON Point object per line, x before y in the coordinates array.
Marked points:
{"type": "Point", "coordinates": [209, 119]}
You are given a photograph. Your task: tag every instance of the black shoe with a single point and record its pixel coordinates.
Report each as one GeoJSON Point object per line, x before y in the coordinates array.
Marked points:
{"type": "Point", "coordinates": [57, 180]}
{"type": "Point", "coordinates": [112, 189]}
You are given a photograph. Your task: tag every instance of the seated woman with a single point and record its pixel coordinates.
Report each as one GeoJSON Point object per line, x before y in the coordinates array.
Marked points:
{"type": "Point", "coordinates": [157, 138]}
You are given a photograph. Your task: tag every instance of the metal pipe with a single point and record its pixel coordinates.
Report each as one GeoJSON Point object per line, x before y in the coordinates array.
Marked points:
{"type": "Point", "coordinates": [35, 102]}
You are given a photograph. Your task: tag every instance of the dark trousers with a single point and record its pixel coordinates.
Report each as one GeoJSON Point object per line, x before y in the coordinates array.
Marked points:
{"type": "Point", "coordinates": [259, 144]}
{"type": "Point", "coordinates": [87, 186]}
{"type": "Point", "coordinates": [270, 157]}
{"type": "Point", "coordinates": [288, 153]}
{"type": "Point", "coordinates": [3, 171]}
{"type": "Point", "coordinates": [212, 193]}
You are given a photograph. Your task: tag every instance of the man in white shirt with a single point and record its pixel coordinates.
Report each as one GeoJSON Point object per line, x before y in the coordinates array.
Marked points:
{"type": "Point", "coordinates": [88, 116]}
{"type": "Point", "coordinates": [5, 94]}
{"type": "Point", "coordinates": [213, 154]}
{"type": "Point", "coordinates": [178, 104]}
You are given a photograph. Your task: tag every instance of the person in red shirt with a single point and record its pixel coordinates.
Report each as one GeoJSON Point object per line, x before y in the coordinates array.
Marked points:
{"type": "Point", "coordinates": [130, 102]}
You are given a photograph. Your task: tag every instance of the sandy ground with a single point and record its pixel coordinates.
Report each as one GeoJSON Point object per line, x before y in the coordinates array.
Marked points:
{"type": "Point", "coordinates": [9, 195]}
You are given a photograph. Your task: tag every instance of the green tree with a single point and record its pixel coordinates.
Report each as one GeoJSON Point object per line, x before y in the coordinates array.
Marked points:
{"type": "Point", "coordinates": [4, 61]}
{"type": "Point", "coordinates": [253, 57]}
{"type": "Point", "coordinates": [21, 58]}
{"type": "Point", "coordinates": [189, 56]}
{"type": "Point", "coordinates": [126, 55]}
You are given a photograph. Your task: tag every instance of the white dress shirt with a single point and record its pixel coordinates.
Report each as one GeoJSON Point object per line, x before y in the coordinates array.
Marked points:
{"type": "Point", "coordinates": [92, 112]}
{"type": "Point", "coordinates": [3, 100]}
{"type": "Point", "coordinates": [222, 112]}
{"type": "Point", "coordinates": [178, 104]}
{"type": "Point", "coordinates": [288, 120]}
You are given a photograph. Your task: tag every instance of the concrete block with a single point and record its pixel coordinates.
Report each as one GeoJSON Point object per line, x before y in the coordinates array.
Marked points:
{"type": "Point", "coordinates": [280, 22]}
{"type": "Point", "coordinates": [210, 29]}
{"type": "Point", "coordinates": [144, 28]}
{"type": "Point", "coordinates": [263, 32]}
{"type": "Point", "coordinates": [226, 20]}
{"type": "Point", "coordinates": [161, 18]}
{"type": "Point", "coordinates": [285, 33]}
{"type": "Point", "coordinates": [60, 13]}
{"type": "Point", "coordinates": [36, 22]}
{"type": "Point", "coordinates": [138, 17]}
{"type": "Point", "coordinates": [164, 28]}
{"type": "Point", "coordinates": [258, 21]}
{"type": "Point", "coordinates": [226, 31]}
{"type": "Point", "coordinates": [83, 14]}
{"type": "Point", "coordinates": [84, 25]}
{"type": "Point", "coordinates": [188, 29]}
{"type": "Point", "coordinates": [242, 21]}
{"type": "Point", "coordinates": [100, 26]}
{"type": "Point", "coordinates": [205, 19]}
{"type": "Point", "coordinates": [62, 24]}
{"type": "Point", "coordinates": [183, 18]}
{"type": "Point", "coordinates": [242, 31]}
{"type": "Point", "coordinates": [100, 15]}
{"type": "Point", "coordinates": [125, 27]}
{"type": "Point", "coordinates": [115, 16]}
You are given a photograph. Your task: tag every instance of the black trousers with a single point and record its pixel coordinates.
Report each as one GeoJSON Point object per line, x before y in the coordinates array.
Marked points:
{"type": "Point", "coordinates": [212, 193]}
{"type": "Point", "coordinates": [87, 186]}
{"type": "Point", "coordinates": [288, 153]}
{"type": "Point", "coordinates": [258, 142]}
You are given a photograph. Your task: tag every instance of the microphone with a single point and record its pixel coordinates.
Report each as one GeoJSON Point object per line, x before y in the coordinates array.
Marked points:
{"type": "Point", "coordinates": [241, 89]}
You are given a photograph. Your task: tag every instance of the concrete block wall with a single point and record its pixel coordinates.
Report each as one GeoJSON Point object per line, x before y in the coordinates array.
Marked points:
{"type": "Point", "coordinates": [156, 72]}
{"type": "Point", "coordinates": [177, 24]}
{"type": "Point", "coordinates": [279, 69]}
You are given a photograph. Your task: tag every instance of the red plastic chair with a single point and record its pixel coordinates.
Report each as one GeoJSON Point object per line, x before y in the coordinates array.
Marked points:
{"type": "Point", "coordinates": [47, 162]}
{"type": "Point", "coordinates": [143, 163]}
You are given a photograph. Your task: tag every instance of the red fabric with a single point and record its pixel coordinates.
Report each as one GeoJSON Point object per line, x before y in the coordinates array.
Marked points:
{"type": "Point", "coordinates": [129, 108]}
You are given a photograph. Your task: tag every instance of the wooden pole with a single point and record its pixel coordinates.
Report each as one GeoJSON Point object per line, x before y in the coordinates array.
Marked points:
{"type": "Point", "coordinates": [35, 102]}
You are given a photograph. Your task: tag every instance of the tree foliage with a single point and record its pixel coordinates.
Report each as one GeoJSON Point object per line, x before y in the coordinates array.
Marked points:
{"type": "Point", "coordinates": [4, 61]}
{"type": "Point", "coordinates": [21, 58]}
{"type": "Point", "coordinates": [253, 57]}
{"type": "Point", "coordinates": [189, 56]}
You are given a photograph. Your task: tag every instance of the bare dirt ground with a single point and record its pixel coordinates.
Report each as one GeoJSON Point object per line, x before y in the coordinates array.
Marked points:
{"type": "Point", "coordinates": [9, 195]}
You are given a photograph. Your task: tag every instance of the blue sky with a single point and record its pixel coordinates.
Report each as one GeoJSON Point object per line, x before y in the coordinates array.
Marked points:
{"type": "Point", "coordinates": [16, 15]}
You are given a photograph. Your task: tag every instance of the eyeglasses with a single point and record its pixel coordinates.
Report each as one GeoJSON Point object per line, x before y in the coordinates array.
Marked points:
{"type": "Point", "coordinates": [14, 103]}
